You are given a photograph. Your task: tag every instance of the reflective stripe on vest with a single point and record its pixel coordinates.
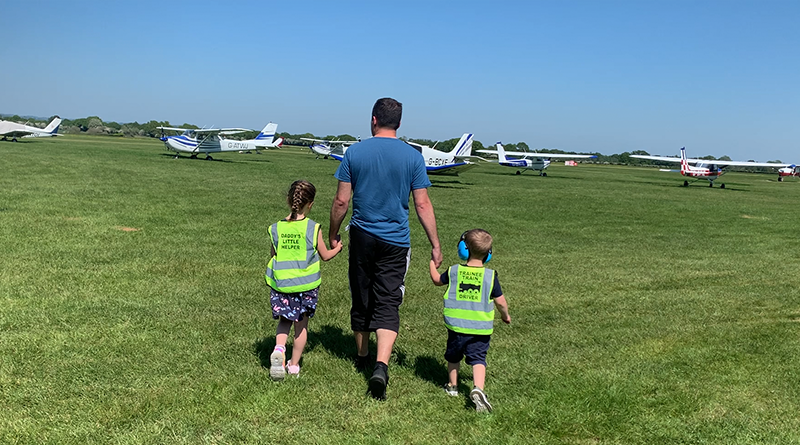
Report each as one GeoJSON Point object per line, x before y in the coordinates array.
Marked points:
{"type": "Point", "coordinates": [468, 308]}
{"type": "Point", "coordinates": [295, 266]}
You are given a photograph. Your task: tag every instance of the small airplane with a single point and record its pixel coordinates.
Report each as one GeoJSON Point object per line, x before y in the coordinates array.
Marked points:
{"type": "Point", "coordinates": [447, 163]}
{"type": "Point", "coordinates": [211, 140]}
{"type": "Point", "coordinates": [705, 169]}
{"type": "Point", "coordinates": [15, 130]}
{"type": "Point", "coordinates": [791, 170]}
{"type": "Point", "coordinates": [327, 148]}
{"type": "Point", "coordinates": [538, 162]}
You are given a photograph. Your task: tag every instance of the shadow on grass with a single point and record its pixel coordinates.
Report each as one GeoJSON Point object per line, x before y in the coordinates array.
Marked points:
{"type": "Point", "coordinates": [189, 158]}
{"type": "Point", "coordinates": [452, 183]}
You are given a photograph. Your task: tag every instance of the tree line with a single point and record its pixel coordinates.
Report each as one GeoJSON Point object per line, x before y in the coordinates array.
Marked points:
{"type": "Point", "coordinates": [93, 125]}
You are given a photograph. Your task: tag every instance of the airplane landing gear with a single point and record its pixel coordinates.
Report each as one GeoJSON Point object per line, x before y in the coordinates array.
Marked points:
{"type": "Point", "coordinates": [543, 174]}
{"type": "Point", "coordinates": [686, 183]}
{"type": "Point", "coordinates": [710, 184]}
{"type": "Point", "coordinates": [722, 186]}
{"type": "Point", "coordinates": [193, 156]}
{"type": "Point", "coordinates": [209, 158]}
{"type": "Point", "coordinates": [519, 172]}
{"type": "Point", "coordinates": [780, 178]}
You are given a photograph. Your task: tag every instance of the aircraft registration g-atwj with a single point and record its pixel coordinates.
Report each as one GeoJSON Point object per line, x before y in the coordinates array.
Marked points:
{"type": "Point", "coordinates": [705, 169]}
{"type": "Point", "coordinates": [211, 140]}
{"type": "Point", "coordinates": [525, 160]}
{"type": "Point", "coordinates": [14, 130]}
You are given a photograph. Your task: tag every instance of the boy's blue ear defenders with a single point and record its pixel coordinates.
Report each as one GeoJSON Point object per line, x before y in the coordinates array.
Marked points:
{"type": "Point", "coordinates": [463, 252]}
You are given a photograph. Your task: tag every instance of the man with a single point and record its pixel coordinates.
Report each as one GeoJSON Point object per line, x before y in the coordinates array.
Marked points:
{"type": "Point", "coordinates": [380, 173]}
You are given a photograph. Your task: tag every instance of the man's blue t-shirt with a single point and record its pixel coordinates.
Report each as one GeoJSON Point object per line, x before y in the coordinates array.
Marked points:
{"type": "Point", "coordinates": [382, 173]}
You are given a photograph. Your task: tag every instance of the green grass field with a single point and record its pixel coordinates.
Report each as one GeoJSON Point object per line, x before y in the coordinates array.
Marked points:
{"type": "Point", "coordinates": [133, 308]}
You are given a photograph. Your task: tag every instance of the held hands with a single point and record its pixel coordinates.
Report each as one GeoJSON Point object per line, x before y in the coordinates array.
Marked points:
{"type": "Point", "coordinates": [336, 243]}
{"type": "Point", "coordinates": [436, 256]}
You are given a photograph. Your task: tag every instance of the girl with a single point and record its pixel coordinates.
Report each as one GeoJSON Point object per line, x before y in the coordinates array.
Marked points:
{"type": "Point", "coordinates": [293, 276]}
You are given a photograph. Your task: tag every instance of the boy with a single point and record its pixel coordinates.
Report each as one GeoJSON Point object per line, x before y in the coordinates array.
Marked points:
{"type": "Point", "coordinates": [472, 294]}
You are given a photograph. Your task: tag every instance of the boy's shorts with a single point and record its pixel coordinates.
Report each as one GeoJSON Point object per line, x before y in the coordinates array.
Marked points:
{"type": "Point", "coordinates": [474, 347]}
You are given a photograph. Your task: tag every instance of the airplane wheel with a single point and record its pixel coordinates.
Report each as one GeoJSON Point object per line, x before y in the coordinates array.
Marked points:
{"type": "Point", "coordinates": [544, 174]}
{"type": "Point", "coordinates": [518, 172]}
{"type": "Point", "coordinates": [780, 179]}
{"type": "Point", "coordinates": [711, 184]}
{"type": "Point", "coordinates": [686, 183]}
{"type": "Point", "coordinates": [722, 186]}
{"type": "Point", "coordinates": [193, 157]}
{"type": "Point", "coordinates": [209, 158]}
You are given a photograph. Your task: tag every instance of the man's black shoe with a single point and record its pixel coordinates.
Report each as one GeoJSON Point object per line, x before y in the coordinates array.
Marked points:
{"type": "Point", "coordinates": [362, 362]}
{"type": "Point", "coordinates": [378, 381]}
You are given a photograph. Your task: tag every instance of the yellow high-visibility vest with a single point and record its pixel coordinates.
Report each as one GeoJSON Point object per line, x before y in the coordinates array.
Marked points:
{"type": "Point", "coordinates": [295, 266]}
{"type": "Point", "coordinates": [468, 308]}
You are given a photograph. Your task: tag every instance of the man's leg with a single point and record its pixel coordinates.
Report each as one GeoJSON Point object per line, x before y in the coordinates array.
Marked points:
{"type": "Point", "coordinates": [386, 340]}
{"type": "Point", "coordinates": [362, 342]}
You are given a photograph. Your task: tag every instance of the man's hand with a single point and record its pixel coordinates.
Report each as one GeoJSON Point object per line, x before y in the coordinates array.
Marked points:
{"type": "Point", "coordinates": [506, 318]}
{"type": "Point", "coordinates": [436, 256]}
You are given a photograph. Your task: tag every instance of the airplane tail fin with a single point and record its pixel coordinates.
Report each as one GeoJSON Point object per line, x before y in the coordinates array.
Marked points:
{"type": "Point", "coordinates": [464, 146]}
{"type": "Point", "coordinates": [267, 136]}
{"type": "Point", "coordinates": [501, 152]}
{"type": "Point", "coordinates": [684, 163]}
{"type": "Point", "coordinates": [52, 127]}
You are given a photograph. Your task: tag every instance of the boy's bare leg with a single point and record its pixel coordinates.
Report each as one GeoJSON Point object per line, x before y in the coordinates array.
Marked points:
{"type": "Point", "coordinates": [479, 375]}
{"type": "Point", "coordinates": [452, 373]}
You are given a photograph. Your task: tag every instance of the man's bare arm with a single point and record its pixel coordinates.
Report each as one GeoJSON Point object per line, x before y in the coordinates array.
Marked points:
{"type": "Point", "coordinates": [338, 210]}
{"type": "Point", "coordinates": [424, 208]}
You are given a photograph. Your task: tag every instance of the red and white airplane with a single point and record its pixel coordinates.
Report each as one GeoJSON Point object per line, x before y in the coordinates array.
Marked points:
{"type": "Point", "coordinates": [705, 169]}
{"type": "Point", "coordinates": [791, 170]}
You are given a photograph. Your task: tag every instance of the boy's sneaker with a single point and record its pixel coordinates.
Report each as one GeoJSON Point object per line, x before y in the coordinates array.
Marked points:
{"type": "Point", "coordinates": [480, 400]}
{"type": "Point", "coordinates": [293, 369]}
{"type": "Point", "coordinates": [451, 390]}
{"type": "Point", "coordinates": [378, 382]}
{"type": "Point", "coordinates": [277, 361]}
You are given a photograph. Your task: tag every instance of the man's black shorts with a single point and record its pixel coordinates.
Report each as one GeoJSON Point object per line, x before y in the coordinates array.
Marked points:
{"type": "Point", "coordinates": [377, 282]}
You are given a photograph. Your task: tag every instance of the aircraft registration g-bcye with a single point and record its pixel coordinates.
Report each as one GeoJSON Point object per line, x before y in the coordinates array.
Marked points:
{"type": "Point", "coordinates": [705, 169]}
{"type": "Point", "coordinates": [529, 160]}
{"type": "Point", "coordinates": [14, 130]}
{"type": "Point", "coordinates": [436, 162]}
{"type": "Point", "coordinates": [447, 163]}
{"type": "Point", "coordinates": [211, 140]}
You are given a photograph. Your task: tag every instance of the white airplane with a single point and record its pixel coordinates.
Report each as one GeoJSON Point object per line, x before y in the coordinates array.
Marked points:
{"type": "Point", "coordinates": [327, 147]}
{"type": "Point", "coordinates": [211, 140]}
{"type": "Point", "coordinates": [537, 162]}
{"type": "Point", "coordinates": [705, 169]}
{"type": "Point", "coordinates": [15, 130]}
{"type": "Point", "coordinates": [451, 163]}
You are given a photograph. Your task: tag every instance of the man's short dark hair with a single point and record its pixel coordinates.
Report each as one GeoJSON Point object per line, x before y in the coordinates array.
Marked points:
{"type": "Point", "coordinates": [387, 113]}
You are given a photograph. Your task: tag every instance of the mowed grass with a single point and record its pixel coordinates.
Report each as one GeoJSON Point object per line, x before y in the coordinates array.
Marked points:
{"type": "Point", "coordinates": [133, 308]}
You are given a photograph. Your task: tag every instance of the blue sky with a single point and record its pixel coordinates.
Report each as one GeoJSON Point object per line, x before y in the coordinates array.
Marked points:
{"type": "Point", "coordinates": [719, 77]}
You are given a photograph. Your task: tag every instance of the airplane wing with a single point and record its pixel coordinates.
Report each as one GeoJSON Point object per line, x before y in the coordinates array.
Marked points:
{"type": "Point", "coordinates": [715, 162]}
{"type": "Point", "coordinates": [526, 154]}
{"type": "Point", "coordinates": [743, 163]}
{"type": "Point", "coordinates": [175, 128]}
{"type": "Point", "coordinates": [662, 158]}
